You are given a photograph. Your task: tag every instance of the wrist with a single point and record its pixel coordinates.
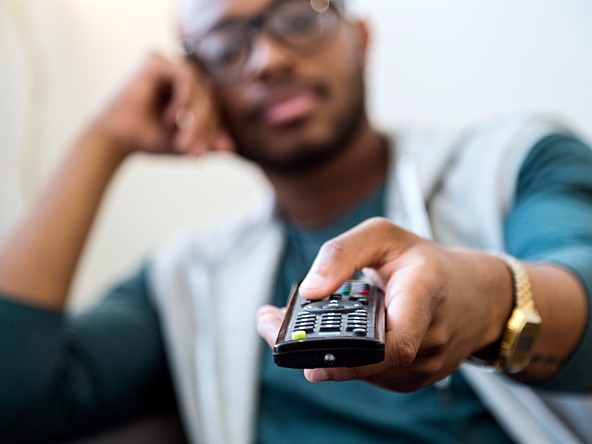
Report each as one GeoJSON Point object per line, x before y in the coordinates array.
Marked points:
{"type": "Point", "coordinates": [488, 284]}
{"type": "Point", "coordinates": [501, 299]}
{"type": "Point", "coordinates": [97, 138]}
{"type": "Point", "coordinates": [513, 350]}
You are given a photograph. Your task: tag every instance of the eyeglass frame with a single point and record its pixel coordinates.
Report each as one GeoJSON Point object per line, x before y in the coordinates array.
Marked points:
{"type": "Point", "coordinates": [254, 25]}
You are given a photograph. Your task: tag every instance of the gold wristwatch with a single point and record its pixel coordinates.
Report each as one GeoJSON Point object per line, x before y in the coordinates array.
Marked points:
{"type": "Point", "coordinates": [522, 329]}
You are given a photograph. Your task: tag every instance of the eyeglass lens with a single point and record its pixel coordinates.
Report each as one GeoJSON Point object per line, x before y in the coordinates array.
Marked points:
{"type": "Point", "coordinates": [226, 51]}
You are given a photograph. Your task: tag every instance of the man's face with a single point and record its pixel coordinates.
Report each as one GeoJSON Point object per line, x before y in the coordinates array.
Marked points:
{"type": "Point", "coordinates": [296, 110]}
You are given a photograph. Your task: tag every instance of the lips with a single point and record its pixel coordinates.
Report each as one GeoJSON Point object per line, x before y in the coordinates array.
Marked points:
{"type": "Point", "coordinates": [286, 105]}
{"type": "Point", "coordinates": [288, 109]}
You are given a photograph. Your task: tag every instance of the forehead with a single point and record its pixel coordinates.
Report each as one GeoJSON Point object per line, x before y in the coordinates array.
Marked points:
{"type": "Point", "coordinates": [198, 16]}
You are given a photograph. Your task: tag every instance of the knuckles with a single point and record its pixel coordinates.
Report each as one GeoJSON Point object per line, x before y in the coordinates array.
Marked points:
{"type": "Point", "coordinates": [334, 250]}
{"type": "Point", "coordinates": [403, 350]}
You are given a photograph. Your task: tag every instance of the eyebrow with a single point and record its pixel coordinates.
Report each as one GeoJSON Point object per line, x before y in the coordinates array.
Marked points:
{"type": "Point", "coordinates": [233, 19]}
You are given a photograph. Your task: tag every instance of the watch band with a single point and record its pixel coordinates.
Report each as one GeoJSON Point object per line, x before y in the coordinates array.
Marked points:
{"type": "Point", "coordinates": [523, 327]}
{"type": "Point", "coordinates": [514, 351]}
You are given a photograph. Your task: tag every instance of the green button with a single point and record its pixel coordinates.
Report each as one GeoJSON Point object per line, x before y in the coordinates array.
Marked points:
{"type": "Point", "coordinates": [298, 334]}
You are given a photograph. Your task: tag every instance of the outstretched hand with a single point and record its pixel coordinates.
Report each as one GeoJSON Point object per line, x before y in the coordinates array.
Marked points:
{"type": "Point", "coordinates": [441, 304]}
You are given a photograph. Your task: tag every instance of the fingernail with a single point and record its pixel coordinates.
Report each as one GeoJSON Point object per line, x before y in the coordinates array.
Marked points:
{"type": "Point", "coordinates": [319, 375]}
{"type": "Point", "coordinates": [263, 328]}
{"type": "Point", "coordinates": [184, 118]}
{"type": "Point", "coordinates": [312, 282]}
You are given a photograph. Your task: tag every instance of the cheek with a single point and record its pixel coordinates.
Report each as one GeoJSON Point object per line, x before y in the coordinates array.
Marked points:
{"type": "Point", "coordinates": [232, 106]}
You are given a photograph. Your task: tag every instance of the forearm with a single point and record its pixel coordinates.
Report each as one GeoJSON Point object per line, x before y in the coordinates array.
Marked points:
{"type": "Point", "coordinates": [64, 373]}
{"type": "Point", "coordinates": [561, 301]}
{"type": "Point", "coordinates": [558, 295]}
{"type": "Point", "coordinates": [549, 229]}
{"type": "Point", "coordinates": [39, 259]}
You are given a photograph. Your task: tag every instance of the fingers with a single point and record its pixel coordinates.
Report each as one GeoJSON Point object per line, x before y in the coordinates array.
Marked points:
{"type": "Point", "coordinates": [414, 295]}
{"type": "Point", "coordinates": [269, 321]}
{"type": "Point", "coordinates": [195, 113]}
{"type": "Point", "coordinates": [369, 244]}
{"type": "Point", "coordinates": [409, 316]}
{"type": "Point", "coordinates": [166, 106]}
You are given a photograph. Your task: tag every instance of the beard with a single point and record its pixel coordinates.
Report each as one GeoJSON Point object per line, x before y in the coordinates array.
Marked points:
{"type": "Point", "coordinates": [307, 155]}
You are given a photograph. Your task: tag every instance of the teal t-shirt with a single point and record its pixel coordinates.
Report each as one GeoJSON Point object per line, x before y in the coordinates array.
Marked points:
{"type": "Point", "coordinates": [62, 374]}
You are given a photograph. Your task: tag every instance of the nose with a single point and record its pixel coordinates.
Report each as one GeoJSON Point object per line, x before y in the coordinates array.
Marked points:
{"type": "Point", "coordinates": [271, 59]}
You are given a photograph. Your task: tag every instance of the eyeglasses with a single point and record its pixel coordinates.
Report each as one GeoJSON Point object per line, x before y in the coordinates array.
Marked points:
{"type": "Point", "coordinates": [227, 53]}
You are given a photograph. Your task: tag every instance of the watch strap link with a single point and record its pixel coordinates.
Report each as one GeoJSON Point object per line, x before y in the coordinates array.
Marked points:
{"type": "Point", "coordinates": [513, 352]}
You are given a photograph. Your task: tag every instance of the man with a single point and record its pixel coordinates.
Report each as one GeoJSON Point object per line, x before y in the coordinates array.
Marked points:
{"type": "Point", "coordinates": [281, 83]}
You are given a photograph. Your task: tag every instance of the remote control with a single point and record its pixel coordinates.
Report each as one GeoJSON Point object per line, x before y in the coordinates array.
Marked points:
{"type": "Point", "coordinates": [346, 329]}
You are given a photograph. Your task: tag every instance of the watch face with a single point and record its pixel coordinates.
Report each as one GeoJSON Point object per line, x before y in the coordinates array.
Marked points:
{"type": "Point", "coordinates": [524, 343]}
{"type": "Point", "coordinates": [521, 354]}
{"type": "Point", "coordinates": [516, 348]}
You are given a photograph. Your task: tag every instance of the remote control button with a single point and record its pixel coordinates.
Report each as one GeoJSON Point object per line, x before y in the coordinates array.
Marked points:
{"type": "Point", "coordinates": [333, 306]}
{"type": "Point", "coordinates": [298, 335]}
{"type": "Point", "coordinates": [307, 329]}
{"type": "Point", "coordinates": [303, 325]}
{"type": "Point", "coordinates": [336, 297]}
{"type": "Point", "coordinates": [306, 320]}
{"type": "Point", "coordinates": [345, 289]}
{"type": "Point", "coordinates": [330, 328]}
{"type": "Point", "coordinates": [330, 323]}
{"type": "Point", "coordinates": [351, 327]}
{"type": "Point", "coordinates": [306, 315]}
{"type": "Point", "coordinates": [360, 331]}
{"type": "Point", "coordinates": [362, 289]}
{"type": "Point", "coordinates": [357, 321]}
{"type": "Point", "coordinates": [356, 327]}
{"type": "Point", "coordinates": [305, 303]}
{"type": "Point", "coordinates": [357, 316]}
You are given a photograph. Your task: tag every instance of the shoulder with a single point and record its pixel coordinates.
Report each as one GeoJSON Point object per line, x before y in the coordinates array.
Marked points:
{"type": "Point", "coordinates": [491, 155]}
{"type": "Point", "coordinates": [556, 160]}
{"type": "Point", "coordinates": [477, 186]}
{"type": "Point", "coordinates": [217, 238]}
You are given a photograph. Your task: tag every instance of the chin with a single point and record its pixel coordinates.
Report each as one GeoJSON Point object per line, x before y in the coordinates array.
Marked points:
{"type": "Point", "coordinates": [299, 157]}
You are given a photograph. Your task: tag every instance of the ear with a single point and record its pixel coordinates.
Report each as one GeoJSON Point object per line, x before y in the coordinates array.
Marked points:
{"type": "Point", "coordinates": [363, 34]}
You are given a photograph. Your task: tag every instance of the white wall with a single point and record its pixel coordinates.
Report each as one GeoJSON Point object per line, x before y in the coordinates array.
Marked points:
{"type": "Point", "coordinates": [457, 61]}
{"type": "Point", "coordinates": [444, 63]}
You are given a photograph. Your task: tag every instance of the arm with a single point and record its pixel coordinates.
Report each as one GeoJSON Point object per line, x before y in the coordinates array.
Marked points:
{"type": "Point", "coordinates": [66, 374]}
{"type": "Point", "coordinates": [38, 261]}
{"type": "Point", "coordinates": [61, 374]}
{"type": "Point", "coordinates": [444, 304]}
{"type": "Point", "coordinates": [550, 224]}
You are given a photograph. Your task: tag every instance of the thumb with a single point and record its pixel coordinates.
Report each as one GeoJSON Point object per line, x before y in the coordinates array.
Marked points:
{"type": "Point", "coordinates": [332, 266]}
{"type": "Point", "coordinates": [366, 245]}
